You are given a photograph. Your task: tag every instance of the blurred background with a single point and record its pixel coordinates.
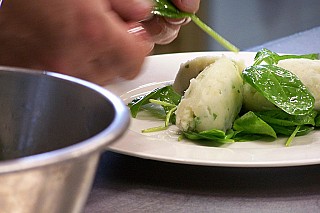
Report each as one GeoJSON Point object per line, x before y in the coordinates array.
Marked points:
{"type": "Point", "coordinates": [245, 23]}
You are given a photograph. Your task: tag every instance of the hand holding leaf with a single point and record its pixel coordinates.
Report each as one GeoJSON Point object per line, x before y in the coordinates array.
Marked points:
{"type": "Point", "coordinates": [167, 9]}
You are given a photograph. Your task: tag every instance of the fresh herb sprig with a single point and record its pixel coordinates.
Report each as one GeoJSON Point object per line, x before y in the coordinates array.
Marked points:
{"type": "Point", "coordinates": [167, 9]}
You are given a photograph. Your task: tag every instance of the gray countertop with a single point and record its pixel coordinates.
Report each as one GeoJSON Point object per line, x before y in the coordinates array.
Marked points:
{"type": "Point", "coordinates": [130, 184]}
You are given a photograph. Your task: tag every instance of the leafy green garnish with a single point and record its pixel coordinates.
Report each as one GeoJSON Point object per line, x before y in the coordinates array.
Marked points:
{"type": "Point", "coordinates": [211, 135]}
{"type": "Point", "coordinates": [288, 130]}
{"type": "Point", "coordinates": [240, 136]}
{"type": "Point", "coordinates": [165, 95]}
{"type": "Point", "coordinates": [166, 101]}
{"type": "Point", "coordinates": [281, 118]}
{"type": "Point", "coordinates": [281, 87]}
{"type": "Point", "coordinates": [270, 57]}
{"type": "Point", "coordinates": [167, 9]}
{"type": "Point", "coordinates": [249, 123]}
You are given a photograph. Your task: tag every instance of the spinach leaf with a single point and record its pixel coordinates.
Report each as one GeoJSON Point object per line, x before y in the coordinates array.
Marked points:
{"type": "Point", "coordinates": [240, 136]}
{"type": "Point", "coordinates": [165, 94]}
{"type": "Point", "coordinates": [155, 110]}
{"type": "Point", "coordinates": [270, 57]}
{"type": "Point", "coordinates": [249, 123]}
{"type": "Point", "coordinates": [211, 135]}
{"type": "Point", "coordinates": [282, 118]}
{"type": "Point", "coordinates": [288, 130]}
{"type": "Point", "coordinates": [281, 87]}
{"type": "Point", "coordinates": [167, 9]}
{"type": "Point", "coordinates": [136, 104]}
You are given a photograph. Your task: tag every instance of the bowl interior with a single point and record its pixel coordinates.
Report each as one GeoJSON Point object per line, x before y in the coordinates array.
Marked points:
{"type": "Point", "coordinates": [41, 113]}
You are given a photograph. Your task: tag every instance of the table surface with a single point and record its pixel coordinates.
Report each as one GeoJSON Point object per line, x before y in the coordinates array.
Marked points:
{"type": "Point", "coordinates": [129, 184]}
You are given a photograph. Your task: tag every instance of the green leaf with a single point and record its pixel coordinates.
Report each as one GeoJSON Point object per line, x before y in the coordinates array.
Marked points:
{"type": "Point", "coordinates": [269, 57]}
{"type": "Point", "coordinates": [282, 118]}
{"type": "Point", "coordinates": [155, 110]}
{"type": "Point", "coordinates": [167, 9]}
{"type": "Point", "coordinates": [245, 137]}
{"type": "Point", "coordinates": [280, 87]}
{"type": "Point", "coordinates": [265, 55]}
{"type": "Point", "coordinates": [211, 135]}
{"type": "Point", "coordinates": [165, 94]}
{"type": "Point", "coordinates": [251, 124]}
{"type": "Point", "coordinates": [288, 130]}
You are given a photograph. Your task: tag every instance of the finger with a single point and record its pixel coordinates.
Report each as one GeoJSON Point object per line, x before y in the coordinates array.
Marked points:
{"type": "Point", "coordinates": [190, 6]}
{"type": "Point", "coordinates": [181, 21]}
{"type": "Point", "coordinates": [114, 52]}
{"type": "Point", "coordinates": [127, 51]}
{"type": "Point", "coordinates": [132, 10]}
{"type": "Point", "coordinates": [160, 30]}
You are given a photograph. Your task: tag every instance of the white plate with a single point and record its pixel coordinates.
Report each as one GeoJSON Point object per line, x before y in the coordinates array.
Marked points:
{"type": "Point", "coordinates": [159, 70]}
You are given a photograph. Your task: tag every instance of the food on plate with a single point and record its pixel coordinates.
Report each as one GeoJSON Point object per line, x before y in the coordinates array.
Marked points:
{"type": "Point", "coordinates": [307, 70]}
{"type": "Point", "coordinates": [215, 108]}
{"type": "Point", "coordinates": [213, 99]}
{"type": "Point", "coordinates": [190, 70]}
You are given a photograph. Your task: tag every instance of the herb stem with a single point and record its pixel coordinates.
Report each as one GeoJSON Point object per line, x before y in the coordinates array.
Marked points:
{"type": "Point", "coordinates": [213, 34]}
{"type": "Point", "coordinates": [162, 103]}
{"type": "Point", "coordinates": [168, 116]}
{"type": "Point", "coordinates": [155, 129]}
{"type": "Point", "coordinates": [292, 136]}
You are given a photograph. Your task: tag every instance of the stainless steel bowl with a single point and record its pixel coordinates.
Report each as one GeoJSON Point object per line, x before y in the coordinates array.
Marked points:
{"type": "Point", "coordinates": [53, 129]}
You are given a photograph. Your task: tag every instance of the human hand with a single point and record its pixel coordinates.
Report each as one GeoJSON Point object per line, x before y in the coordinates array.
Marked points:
{"type": "Point", "coordinates": [86, 39]}
{"type": "Point", "coordinates": [164, 30]}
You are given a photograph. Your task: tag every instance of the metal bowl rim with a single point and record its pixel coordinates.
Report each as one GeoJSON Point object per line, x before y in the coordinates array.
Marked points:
{"type": "Point", "coordinates": [94, 145]}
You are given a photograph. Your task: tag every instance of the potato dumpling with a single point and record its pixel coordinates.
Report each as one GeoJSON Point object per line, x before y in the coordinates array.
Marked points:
{"type": "Point", "coordinates": [189, 70]}
{"type": "Point", "coordinates": [213, 99]}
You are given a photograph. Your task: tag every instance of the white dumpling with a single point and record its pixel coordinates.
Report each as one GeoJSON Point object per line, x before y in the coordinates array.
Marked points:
{"type": "Point", "coordinates": [213, 99]}
{"type": "Point", "coordinates": [189, 70]}
{"type": "Point", "coordinates": [308, 71]}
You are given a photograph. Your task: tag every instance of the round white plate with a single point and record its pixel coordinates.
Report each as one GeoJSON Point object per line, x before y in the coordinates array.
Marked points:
{"type": "Point", "coordinates": [160, 70]}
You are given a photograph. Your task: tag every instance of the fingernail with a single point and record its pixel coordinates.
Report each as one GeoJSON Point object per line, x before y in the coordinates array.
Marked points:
{"type": "Point", "coordinates": [136, 29]}
{"type": "Point", "coordinates": [178, 21]}
{"type": "Point", "coordinates": [140, 32]}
